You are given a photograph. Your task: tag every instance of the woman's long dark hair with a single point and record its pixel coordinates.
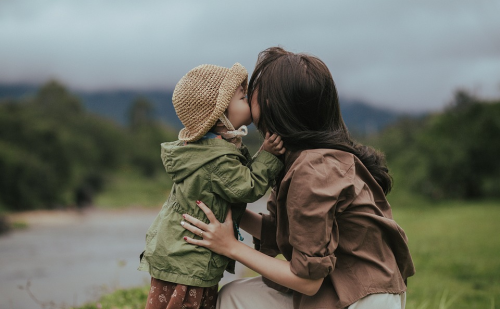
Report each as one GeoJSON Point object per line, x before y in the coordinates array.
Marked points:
{"type": "Point", "coordinates": [298, 101]}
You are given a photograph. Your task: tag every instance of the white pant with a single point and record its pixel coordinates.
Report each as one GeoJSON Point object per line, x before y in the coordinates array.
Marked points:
{"type": "Point", "coordinates": [253, 293]}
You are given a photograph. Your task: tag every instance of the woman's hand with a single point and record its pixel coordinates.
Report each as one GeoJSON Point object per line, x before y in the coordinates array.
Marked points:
{"type": "Point", "coordinates": [273, 144]}
{"type": "Point", "coordinates": [216, 236]}
{"type": "Point", "coordinates": [219, 237]}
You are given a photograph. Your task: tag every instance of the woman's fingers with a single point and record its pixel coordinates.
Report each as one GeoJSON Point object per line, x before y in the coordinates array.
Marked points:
{"type": "Point", "coordinates": [197, 226]}
{"type": "Point", "coordinates": [216, 236]}
{"type": "Point", "coordinates": [192, 228]}
{"type": "Point", "coordinates": [197, 223]}
{"type": "Point", "coordinates": [198, 242]}
{"type": "Point", "coordinates": [210, 215]}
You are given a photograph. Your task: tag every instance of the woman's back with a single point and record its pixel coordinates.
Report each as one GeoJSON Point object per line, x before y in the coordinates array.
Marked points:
{"type": "Point", "coordinates": [332, 220]}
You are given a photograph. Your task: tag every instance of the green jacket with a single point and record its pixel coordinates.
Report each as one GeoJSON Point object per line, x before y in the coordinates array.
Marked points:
{"type": "Point", "coordinates": [213, 171]}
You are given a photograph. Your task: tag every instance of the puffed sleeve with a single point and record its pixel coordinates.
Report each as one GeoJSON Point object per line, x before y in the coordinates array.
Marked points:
{"type": "Point", "coordinates": [315, 189]}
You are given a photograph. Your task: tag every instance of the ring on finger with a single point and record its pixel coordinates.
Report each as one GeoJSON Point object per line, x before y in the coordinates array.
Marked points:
{"type": "Point", "coordinates": [201, 234]}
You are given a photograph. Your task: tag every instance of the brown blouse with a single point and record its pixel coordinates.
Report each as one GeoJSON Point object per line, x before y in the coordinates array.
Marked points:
{"type": "Point", "coordinates": [330, 219]}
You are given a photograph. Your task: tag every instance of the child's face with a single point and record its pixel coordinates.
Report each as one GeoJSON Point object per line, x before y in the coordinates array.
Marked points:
{"type": "Point", "coordinates": [238, 111]}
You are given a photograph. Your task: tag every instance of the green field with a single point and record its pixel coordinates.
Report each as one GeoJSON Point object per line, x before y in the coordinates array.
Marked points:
{"type": "Point", "coordinates": [455, 247]}
{"type": "Point", "coordinates": [130, 189]}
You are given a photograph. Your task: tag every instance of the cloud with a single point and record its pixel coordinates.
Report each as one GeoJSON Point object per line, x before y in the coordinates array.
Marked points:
{"type": "Point", "coordinates": [409, 56]}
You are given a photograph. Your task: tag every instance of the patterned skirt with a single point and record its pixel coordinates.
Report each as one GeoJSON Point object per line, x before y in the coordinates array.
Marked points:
{"type": "Point", "coordinates": [169, 295]}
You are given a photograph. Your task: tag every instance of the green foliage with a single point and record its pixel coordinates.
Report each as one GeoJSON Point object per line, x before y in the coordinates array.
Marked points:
{"type": "Point", "coordinates": [146, 135]}
{"type": "Point", "coordinates": [34, 159]}
{"type": "Point", "coordinates": [145, 147]}
{"type": "Point", "coordinates": [134, 298]}
{"type": "Point", "coordinates": [130, 188]}
{"type": "Point", "coordinates": [54, 99]}
{"type": "Point", "coordinates": [452, 154]}
{"type": "Point", "coordinates": [140, 114]}
{"type": "Point", "coordinates": [55, 154]}
{"type": "Point", "coordinates": [455, 257]}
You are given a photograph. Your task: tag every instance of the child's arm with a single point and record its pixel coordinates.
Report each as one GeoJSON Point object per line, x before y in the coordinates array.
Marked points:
{"type": "Point", "coordinates": [235, 182]}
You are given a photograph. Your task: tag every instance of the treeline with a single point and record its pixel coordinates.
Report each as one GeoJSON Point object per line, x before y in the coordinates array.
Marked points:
{"type": "Point", "coordinates": [53, 153]}
{"type": "Point", "coordinates": [451, 154]}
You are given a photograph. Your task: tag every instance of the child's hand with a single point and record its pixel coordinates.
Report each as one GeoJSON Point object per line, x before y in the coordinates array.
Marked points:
{"type": "Point", "coordinates": [273, 144]}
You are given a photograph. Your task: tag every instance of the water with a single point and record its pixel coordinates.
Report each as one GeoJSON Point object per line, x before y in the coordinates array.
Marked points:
{"type": "Point", "coordinates": [71, 258]}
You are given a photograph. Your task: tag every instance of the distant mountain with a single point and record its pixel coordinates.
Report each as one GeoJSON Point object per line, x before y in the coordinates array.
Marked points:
{"type": "Point", "coordinates": [115, 104]}
{"type": "Point", "coordinates": [360, 117]}
{"type": "Point", "coordinates": [16, 91]}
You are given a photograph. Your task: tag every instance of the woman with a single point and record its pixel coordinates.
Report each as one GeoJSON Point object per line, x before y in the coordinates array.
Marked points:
{"type": "Point", "coordinates": [328, 215]}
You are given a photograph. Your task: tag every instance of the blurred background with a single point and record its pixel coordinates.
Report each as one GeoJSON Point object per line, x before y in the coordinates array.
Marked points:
{"type": "Point", "coordinates": [85, 101]}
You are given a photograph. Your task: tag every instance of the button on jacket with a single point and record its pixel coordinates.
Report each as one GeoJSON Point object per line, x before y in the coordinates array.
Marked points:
{"type": "Point", "coordinates": [330, 219]}
{"type": "Point", "coordinates": [212, 171]}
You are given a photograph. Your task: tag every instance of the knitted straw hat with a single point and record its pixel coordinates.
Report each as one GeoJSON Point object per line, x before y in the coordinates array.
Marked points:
{"type": "Point", "coordinates": [202, 96]}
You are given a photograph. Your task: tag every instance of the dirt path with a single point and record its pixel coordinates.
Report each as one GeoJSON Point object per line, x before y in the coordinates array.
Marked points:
{"type": "Point", "coordinates": [71, 258]}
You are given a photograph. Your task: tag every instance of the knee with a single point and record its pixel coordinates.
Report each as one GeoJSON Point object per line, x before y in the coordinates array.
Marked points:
{"type": "Point", "coordinates": [233, 294]}
{"type": "Point", "coordinates": [233, 288]}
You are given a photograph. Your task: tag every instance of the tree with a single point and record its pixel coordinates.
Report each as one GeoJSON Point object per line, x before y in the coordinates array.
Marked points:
{"type": "Point", "coordinates": [51, 150]}
{"type": "Point", "coordinates": [54, 98]}
{"type": "Point", "coordinates": [453, 154]}
{"type": "Point", "coordinates": [140, 114]}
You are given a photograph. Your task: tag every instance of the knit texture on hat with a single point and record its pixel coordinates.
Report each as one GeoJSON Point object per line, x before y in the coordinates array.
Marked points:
{"type": "Point", "coordinates": [202, 96]}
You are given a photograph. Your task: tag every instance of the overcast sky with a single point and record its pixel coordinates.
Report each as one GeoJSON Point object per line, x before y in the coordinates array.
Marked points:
{"type": "Point", "coordinates": [407, 55]}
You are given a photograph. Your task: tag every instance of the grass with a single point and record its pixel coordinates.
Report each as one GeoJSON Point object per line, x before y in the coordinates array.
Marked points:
{"type": "Point", "coordinates": [130, 189]}
{"type": "Point", "coordinates": [134, 298]}
{"type": "Point", "coordinates": [455, 246]}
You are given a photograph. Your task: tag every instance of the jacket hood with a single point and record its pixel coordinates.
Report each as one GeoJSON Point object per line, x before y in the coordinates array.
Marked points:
{"type": "Point", "coordinates": [181, 160]}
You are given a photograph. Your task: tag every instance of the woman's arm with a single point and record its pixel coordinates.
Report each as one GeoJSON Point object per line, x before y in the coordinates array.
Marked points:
{"type": "Point", "coordinates": [219, 238]}
{"type": "Point", "coordinates": [274, 269]}
{"type": "Point", "coordinates": [252, 223]}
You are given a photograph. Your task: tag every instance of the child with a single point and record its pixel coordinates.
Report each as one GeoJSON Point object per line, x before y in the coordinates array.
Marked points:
{"type": "Point", "coordinates": [207, 163]}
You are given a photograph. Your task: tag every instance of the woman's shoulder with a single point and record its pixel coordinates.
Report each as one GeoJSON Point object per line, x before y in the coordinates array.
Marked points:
{"type": "Point", "coordinates": [323, 160]}
{"type": "Point", "coordinates": [325, 156]}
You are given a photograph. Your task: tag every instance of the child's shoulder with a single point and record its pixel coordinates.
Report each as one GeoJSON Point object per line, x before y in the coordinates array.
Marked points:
{"type": "Point", "coordinates": [209, 148]}
{"type": "Point", "coordinates": [172, 144]}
